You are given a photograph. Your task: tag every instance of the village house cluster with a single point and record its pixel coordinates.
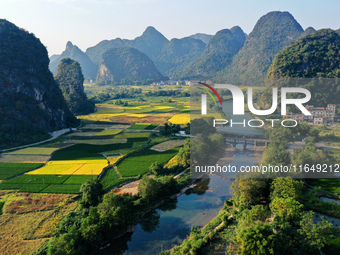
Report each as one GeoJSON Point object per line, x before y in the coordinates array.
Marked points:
{"type": "Point", "coordinates": [320, 115]}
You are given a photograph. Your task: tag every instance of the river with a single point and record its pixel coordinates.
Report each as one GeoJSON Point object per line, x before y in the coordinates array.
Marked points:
{"type": "Point", "coordinates": [171, 223]}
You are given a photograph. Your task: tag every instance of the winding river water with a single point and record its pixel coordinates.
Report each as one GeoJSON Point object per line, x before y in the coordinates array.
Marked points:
{"type": "Point", "coordinates": [172, 222]}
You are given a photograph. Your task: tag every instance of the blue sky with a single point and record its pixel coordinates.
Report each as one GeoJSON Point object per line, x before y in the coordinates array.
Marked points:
{"type": "Point", "coordinates": [87, 22]}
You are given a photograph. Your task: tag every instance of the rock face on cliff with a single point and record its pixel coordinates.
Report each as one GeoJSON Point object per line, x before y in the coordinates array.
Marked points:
{"type": "Point", "coordinates": [89, 69]}
{"type": "Point", "coordinates": [126, 65]}
{"type": "Point", "coordinates": [31, 102]}
{"type": "Point", "coordinates": [70, 79]}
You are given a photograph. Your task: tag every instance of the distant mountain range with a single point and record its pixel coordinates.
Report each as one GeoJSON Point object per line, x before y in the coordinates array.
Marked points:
{"type": "Point", "coordinates": [229, 56]}
{"type": "Point", "coordinates": [217, 54]}
{"type": "Point", "coordinates": [127, 65]}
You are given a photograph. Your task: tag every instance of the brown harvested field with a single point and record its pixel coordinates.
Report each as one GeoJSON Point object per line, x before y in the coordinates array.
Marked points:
{"type": "Point", "coordinates": [34, 202]}
{"type": "Point", "coordinates": [23, 233]}
{"type": "Point", "coordinates": [130, 188]}
{"type": "Point", "coordinates": [167, 145]}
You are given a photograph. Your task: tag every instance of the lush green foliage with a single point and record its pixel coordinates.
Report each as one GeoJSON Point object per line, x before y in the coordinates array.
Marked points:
{"type": "Point", "coordinates": [31, 103]}
{"type": "Point", "coordinates": [316, 55]}
{"type": "Point", "coordinates": [217, 54]}
{"type": "Point", "coordinates": [70, 79]}
{"type": "Point", "coordinates": [272, 33]}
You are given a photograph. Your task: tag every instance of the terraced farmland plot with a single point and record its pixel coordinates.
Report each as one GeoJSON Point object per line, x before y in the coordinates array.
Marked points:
{"type": "Point", "coordinates": [109, 132]}
{"type": "Point", "coordinates": [140, 163]}
{"type": "Point", "coordinates": [140, 126]}
{"type": "Point", "coordinates": [79, 179]}
{"type": "Point", "coordinates": [8, 170]}
{"type": "Point", "coordinates": [180, 119]}
{"type": "Point", "coordinates": [111, 178]}
{"type": "Point", "coordinates": [133, 135]}
{"type": "Point", "coordinates": [62, 189]}
{"type": "Point", "coordinates": [87, 151]}
{"type": "Point", "coordinates": [12, 158]}
{"type": "Point", "coordinates": [164, 146]}
{"type": "Point", "coordinates": [152, 126]}
{"type": "Point", "coordinates": [97, 141]}
{"type": "Point", "coordinates": [33, 151]}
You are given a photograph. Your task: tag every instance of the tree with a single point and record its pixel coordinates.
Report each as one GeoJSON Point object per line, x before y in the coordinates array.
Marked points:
{"type": "Point", "coordinates": [65, 244]}
{"type": "Point", "coordinates": [156, 168]}
{"type": "Point", "coordinates": [286, 208]}
{"type": "Point", "coordinates": [90, 228]}
{"type": "Point", "coordinates": [259, 239]}
{"type": "Point", "coordinates": [148, 188]}
{"type": "Point", "coordinates": [183, 157]}
{"type": "Point", "coordinates": [315, 235]}
{"type": "Point", "coordinates": [276, 155]}
{"type": "Point", "coordinates": [247, 190]}
{"type": "Point", "coordinates": [91, 192]}
{"type": "Point", "coordinates": [285, 188]}
{"type": "Point", "coordinates": [280, 134]}
{"type": "Point", "coordinates": [200, 126]}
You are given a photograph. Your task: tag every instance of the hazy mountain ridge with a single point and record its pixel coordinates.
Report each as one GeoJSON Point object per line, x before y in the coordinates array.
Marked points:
{"type": "Point", "coordinates": [178, 53]}
{"type": "Point", "coordinates": [127, 65]}
{"type": "Point", "coordinates": [168, 56]}
{"type": "Point", "coordinates": [203, 37]}
{"type": "Point", "coordinates": [217, 54]}
{"type": "Point", "coordinates": [89, 69]}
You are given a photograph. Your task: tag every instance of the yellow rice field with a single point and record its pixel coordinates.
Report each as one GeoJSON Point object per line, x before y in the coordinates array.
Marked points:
{"type": "Point", "coordinates": [180, 119]}
{"type": "Point", "coordinates": [113, 160]}
{"type": "Point", "coordinates": [172, 162]}
{"type": "Point", "coordinates": [107, 117]}
{"type": "Point", "coordinates": [71, 167]}
{"type": "Point", "coordinates": [90, 169]}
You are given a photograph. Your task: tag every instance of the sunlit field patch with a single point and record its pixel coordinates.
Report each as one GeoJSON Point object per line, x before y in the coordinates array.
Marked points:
{"type": "Point", "coordinates": [69, 167]}
{"type": "Point", "coordinates": [51, 169]}
{"type": "Point", "coordinates": [97, 141]}
{"type": "Point", "coordinates": [90, 169]}
{"type": "Point", "coordinates": [172, 162]}
{"type": "Point", "coordinates": [180, 119]}
{"type": "Point", "coordinates": [140, 126]}
{"type": "Point", "coordinates": [113, 160]}
{"type": "Point", "coordinates": [33, 151]}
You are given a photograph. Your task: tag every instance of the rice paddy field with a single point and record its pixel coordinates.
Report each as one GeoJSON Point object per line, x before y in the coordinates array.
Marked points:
{"type": "Point", "coordinates": [141, 162]}
{"type": "Point", "coordinates": [330, 131]}
{"type": "Point", "coordinates": [154, 110]}
{"type": "Point", "coordinates": [167, 145]}
{"type": "Point", "coordinates": [28, 219]}
{"type": "Point", "coordinates": [109, 137]}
